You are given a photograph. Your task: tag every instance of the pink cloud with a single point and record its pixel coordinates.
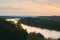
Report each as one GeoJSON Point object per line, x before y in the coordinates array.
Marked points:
{"type": "Point", "coordinates": [30, 7]}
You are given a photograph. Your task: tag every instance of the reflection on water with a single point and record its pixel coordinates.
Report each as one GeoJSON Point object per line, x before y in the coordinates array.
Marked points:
{"type": "Point", "coordinates": [45, 32]}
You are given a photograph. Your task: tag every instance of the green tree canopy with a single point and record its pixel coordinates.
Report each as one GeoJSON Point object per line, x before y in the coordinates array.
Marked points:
{"type": "Point", "coordinates": [9, 31]}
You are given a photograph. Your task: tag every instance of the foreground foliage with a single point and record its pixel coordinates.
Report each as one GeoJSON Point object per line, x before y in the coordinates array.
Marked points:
{"type": "Point", "coordinates": [35, 36]}
{"type": "Point", "coordinates": [9, 31]}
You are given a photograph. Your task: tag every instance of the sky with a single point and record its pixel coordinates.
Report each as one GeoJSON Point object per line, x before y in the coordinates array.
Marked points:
{"type": "Point", "coordinates": [30, 7]}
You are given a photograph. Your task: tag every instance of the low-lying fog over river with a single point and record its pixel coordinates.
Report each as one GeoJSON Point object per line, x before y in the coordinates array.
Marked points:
{"type": "Point", "coordinates": [46, 33]}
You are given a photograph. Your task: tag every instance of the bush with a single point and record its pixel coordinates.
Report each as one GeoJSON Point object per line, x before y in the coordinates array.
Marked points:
{"type": "Point", "coordinates": [9, 31]}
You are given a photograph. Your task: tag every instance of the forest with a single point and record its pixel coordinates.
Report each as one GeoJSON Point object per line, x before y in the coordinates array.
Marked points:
{"type": "Point", "coordinates": [9, 31]}
{"type": "Point", "coordinates": [47, 23]}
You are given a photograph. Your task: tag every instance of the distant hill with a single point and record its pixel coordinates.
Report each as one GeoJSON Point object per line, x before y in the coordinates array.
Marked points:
{"type": "Point", "coordinates": [40, 17]}
{"type": "Point", "coordinates": [49, 23]}
{"type": "Point", "coordinates": [49, 17]}
{"type": "Point", "coordinates": [12, 17]}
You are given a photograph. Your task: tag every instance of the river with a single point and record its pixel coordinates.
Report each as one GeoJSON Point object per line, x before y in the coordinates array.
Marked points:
{"type": "Point", "coordinates": [45, 32]}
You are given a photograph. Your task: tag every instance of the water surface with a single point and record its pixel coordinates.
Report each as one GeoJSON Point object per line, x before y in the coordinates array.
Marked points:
{"type": "Point", "coordinates": [45, 32]}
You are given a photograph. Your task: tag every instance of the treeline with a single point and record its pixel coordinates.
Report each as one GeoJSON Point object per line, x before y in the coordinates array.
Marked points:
{"type": "Point", "coordinates": [52, 24]}
{"type": "Point", "coordinates": [9, 31]}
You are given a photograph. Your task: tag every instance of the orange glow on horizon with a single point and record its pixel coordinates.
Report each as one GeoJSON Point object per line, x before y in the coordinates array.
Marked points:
{"type": "Point", "coordinates": [30, 7]}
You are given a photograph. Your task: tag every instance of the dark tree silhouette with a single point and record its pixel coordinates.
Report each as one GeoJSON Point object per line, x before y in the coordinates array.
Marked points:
{"type": "Point", "coordinates": [35, 36]}
{"type": "Point", "coordinates": [9, 31]}
{"type": "Point", "coordinates": [59, 39]}
{"type": "Point", "coordinates": [51, 24]}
